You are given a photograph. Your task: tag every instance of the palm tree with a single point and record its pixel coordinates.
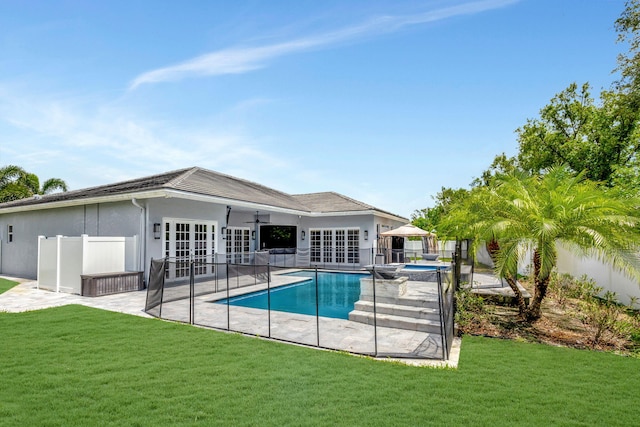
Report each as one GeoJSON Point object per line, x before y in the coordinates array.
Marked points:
{"type": "Point", "coordinates": [16, 183]}
{"type": "Point", "coordinates": [49, 186]}
{"type": "Point", "coordinates": [532, 214]}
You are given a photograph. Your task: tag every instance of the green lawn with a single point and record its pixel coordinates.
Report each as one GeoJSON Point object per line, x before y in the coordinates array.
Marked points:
{"type": "Point", "coordinates": [79, 366]}
{"type": "Point", "coordinates": [5, 285]}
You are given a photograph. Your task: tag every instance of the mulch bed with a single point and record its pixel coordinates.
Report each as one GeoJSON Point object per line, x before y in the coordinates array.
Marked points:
{"type": "Point", "coordinates": [559, 325]}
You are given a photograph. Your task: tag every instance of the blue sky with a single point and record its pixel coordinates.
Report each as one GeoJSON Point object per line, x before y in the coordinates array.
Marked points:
{"type": "Point", "coordinates": [383, 101]}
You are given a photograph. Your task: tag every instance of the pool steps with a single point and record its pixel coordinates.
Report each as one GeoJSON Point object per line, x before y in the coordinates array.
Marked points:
{"type": "Point", "coordinates": [430, 301]}
{"type": "Point", "coordinates": [399, 313]}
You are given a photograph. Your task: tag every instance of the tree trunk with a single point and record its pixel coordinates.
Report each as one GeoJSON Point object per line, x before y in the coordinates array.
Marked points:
{"type": "Point", "coordinates": [493, 247]}
{"type": "Point", "coordinates": [534, 311]}
{"type": "Point", "coordinates": [522, 304]}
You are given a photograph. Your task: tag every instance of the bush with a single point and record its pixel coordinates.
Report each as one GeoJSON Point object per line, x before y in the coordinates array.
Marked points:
{"type": "Point", "coordinates": [604, 314]}
{"type": "Point", "coordinates": [564, 286]}
{"type": "Point", "coordinates": [601, 314]}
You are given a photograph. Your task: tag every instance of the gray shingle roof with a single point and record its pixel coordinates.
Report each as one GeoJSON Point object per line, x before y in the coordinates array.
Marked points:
{"type": "Point", "coordinates": [331, 202]}
{"type": "Point", "coordinates": [201, 181]}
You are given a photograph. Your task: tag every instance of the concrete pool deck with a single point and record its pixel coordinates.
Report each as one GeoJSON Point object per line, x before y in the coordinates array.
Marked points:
{"type": "Point", "coordinates": [342, 335]}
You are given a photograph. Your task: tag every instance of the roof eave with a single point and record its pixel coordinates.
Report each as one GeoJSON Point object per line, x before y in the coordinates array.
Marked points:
{"type": "Point", "coordinates": [84, 201]}
{"type": "Point", "coordinates": [169, 193]}
{"type": "Point", "coordinates": [362, 212]}
{"type": "Point", "coordinates": [226, 201]}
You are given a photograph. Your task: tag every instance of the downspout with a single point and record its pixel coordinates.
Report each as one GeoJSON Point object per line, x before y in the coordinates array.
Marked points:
{"type": "Point", "coordinates": [142, 251]}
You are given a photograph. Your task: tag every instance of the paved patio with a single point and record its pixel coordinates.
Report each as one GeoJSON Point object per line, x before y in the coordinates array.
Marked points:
{"type": "Point", "coordinates": [333, 333]}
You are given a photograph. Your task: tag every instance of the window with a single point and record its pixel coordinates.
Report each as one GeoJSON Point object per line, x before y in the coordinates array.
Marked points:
{"type": "Point", "coordinates": [353, 246]}
{"type": "Point", "coordinates": [9, 233]}
{"type": "Point", "coordinates": [327, 242]}
{"type": "Point", "coordinates": [316, 245]}
{"type": "Point", "coordinates": [340, 246]}
{"type": "Point", "coordinates": [200, 249]}
{"type": "Point", "coordinates": [183, 248]}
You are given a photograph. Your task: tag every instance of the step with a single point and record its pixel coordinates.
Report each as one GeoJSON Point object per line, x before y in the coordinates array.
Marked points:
{"type": "Point", "coordinates": [399, 310]}
{"type": "Point", "coordinates": [431, 302]}
{"type": "Point", "coordinates": [397, 322]}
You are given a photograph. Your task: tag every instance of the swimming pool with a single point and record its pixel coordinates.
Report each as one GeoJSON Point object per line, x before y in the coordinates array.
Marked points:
{"type": "Point", "coordinates": [337, 294]}
{"type": "Point", "coordinates": [419, 267]}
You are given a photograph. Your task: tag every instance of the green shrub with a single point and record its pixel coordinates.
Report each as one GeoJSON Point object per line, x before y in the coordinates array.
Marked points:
{"type": "Point", "coordinates": [565, 286]}
{"type": "Point", "coordinates": [603, 314]}
{"type": "Point", "coordinates": [469, 308]}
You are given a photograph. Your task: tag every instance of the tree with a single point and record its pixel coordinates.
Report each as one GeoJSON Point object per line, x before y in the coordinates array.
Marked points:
{"type": "Point", "coordinates": [16, 183]}
{"type": "Point", "coordinates": [429, 218]}
{"type": "Point", "coordinates": [626, 178]}
{"type": "Point", "coordinates": [10, 184]}
{"type": "Point", "coordinates": [627, 26]}
{"type": "Point", "coordinates": [51, 185]}
{"type": "Point", "coordinates": [501, 164]}
{"type": "Point", "coordinates": [537, 212]}
{"type": "Point", "coordinates": [573, 131]}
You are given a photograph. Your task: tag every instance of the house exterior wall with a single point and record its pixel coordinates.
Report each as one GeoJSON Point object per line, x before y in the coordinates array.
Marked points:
{"type": "Point", "coordinates": [20, 257]}
{"type": "Point", "coordinates": [128, 218]}
{"type": "Point", "coordinates": [159, 210]}
{"type": "Point", "coordinates": [363, 222]}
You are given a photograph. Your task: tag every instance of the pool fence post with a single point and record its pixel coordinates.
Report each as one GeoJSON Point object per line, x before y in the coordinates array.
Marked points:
{"type": "Point", "coordinates": [317, 311]}
{"type": "Point", "coordinates": [215, 270]}
{"type": "Point", "coordinates": [443, 337]}
{"type": "Point", "coordinates": [255, 271]}
{"type": "Point", "coordinates": [228, 305]}
{"type": "Point", "coordinates": [192, 284]}
{"type": "Point", "coordinates": [269, 297]}
{"type": "Point", "coordinates": [375, 322]}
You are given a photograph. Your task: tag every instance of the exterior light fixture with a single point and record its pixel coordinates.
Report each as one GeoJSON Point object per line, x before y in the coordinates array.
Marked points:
{"type": "Point", "coordinates": [253, 235]}
{"type": "Point", "coordinates": [223, 231]}
{"type": "Point", "coordinates": [366, 234]}
{"type": "Point", "coordinates": [302, 235]}
{"type": "Point", "coordinates": [156, 230]}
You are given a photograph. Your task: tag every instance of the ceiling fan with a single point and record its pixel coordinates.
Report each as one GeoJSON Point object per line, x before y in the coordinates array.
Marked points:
{"type": "Point", "coordinates": [257, 220]}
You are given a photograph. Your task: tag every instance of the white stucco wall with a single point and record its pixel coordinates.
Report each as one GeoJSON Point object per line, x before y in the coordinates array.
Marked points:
{"type": "Point", "coordinates": [20, 257]}
{"type": "Point", "coordinates": [160, 209]}
{"type": "Point", "coordinates": [603, 274]}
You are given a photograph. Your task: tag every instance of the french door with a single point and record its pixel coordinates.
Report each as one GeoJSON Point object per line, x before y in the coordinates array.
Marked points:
{"type": "Point", "coordinates": [238, 245]}
{"type": "Point", "coordinates": [335, 245]}
{"type": "Point", "coordinates": [186, 240]}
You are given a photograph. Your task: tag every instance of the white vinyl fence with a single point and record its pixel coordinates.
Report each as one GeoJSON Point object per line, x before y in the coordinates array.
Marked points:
{"type": "Point", "coordinates": [62, 260]}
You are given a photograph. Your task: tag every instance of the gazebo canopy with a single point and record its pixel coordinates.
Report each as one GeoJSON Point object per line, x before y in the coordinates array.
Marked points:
{"type": "Point", "coordinates": [408, 230]}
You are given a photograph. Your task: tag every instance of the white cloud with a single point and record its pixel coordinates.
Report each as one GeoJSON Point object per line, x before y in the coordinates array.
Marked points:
{"type": "Point", "coordinates": [88, 144]}
{"type": "Point", "coordinates": [244, 59]}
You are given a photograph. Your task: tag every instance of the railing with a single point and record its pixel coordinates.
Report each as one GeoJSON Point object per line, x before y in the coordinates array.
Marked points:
{"type": "Point", "coordinates": [379, 321]}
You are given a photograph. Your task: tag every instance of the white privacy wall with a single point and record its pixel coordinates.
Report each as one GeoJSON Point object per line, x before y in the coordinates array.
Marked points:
{"type": "Point", "coordinates": [603, 274]}
{"type": "Point", "coordinates": [63, 260]}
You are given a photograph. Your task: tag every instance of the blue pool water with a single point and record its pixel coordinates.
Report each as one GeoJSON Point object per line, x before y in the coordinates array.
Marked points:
{"type": "Point", "coordinates": [418, 267]}
{"type": "Point", "coordinates": [337, 294]}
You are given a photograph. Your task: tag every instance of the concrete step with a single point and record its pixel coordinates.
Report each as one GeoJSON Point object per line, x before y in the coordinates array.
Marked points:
{"type": "Point", "coordinates": [430, 301]}
{"type": "Point", "coordinates": [399, 310]}
{"type": "Point", "coordinates": [397, 322]}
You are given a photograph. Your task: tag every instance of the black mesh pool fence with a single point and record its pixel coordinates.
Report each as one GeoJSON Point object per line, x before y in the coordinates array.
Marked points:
{"type": "Point", "coordinates": [400, 317]}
